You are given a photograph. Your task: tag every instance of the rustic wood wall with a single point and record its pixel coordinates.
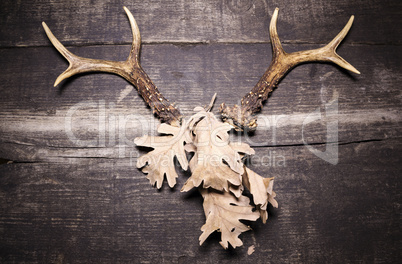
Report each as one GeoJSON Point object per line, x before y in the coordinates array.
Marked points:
{"type": "Point", "coordinates": [69, 189]}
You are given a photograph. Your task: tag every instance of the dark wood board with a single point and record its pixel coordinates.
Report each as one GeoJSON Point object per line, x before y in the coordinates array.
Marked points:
{"type": "Point", "coordinates": [200, 21]}
{"type": "Point", "coordinates": [102, 210]}
{"type": "Point", "coordinates": [368, 106]}
{"type": "Point", "coordinates": [69, 189]}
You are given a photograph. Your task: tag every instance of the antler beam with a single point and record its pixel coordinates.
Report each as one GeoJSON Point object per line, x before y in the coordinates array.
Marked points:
{"type": "Point", "coordinates": [130, 69]}
{"type": "Point", "coordinates": [242, 117]}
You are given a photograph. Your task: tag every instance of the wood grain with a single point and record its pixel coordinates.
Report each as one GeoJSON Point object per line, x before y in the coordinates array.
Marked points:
{"type": "Point", "coordinates": [199, 21]}
{"type": "Point", "coordinates": [368, 107]}
{"type": "Point", "coordinates": [69, 189]}
{"type": "Point", "coordinates": [101, 210]}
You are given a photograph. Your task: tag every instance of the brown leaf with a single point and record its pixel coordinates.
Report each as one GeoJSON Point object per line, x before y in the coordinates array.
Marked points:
{"type": "Point", "coordinates": [224, 212]}
{"type": "Point", "coordinates": [216, 162]}
{"type": "Point", "coordinates": [261, 189]}
{"type": "Point", "coordinates": [217, 177]}
{"type": "Point", "coordinates": [160, 161]}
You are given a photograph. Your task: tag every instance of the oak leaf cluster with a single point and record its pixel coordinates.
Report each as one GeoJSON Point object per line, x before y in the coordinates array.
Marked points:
{"type": "Point", "coordinates": [217, 170]}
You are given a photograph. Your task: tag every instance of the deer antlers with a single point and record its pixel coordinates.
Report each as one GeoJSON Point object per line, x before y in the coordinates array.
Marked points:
{"type": "Point", "coordinates": [130, 69]}
{"type": "Point", "coordinates": [241, 117]}
{"type": "Point", "coordinates": [216, 166]}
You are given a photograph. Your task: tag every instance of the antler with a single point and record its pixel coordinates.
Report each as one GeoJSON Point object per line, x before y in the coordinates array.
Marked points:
{"type": "Point", "coordinates": [130, 69]}
{"type": "Point", "coordinates": [241, 117]}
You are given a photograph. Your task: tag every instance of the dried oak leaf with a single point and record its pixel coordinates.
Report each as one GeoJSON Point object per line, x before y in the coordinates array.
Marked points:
{"type": "Point", "coordinates": [216, 162]}
{"type": "Point", "coordinates": [261, 190]}
{"type": "Point", "coordinates": [224, 212]}
{"type": "Point", "coordinates": [160, 161]}
{"type": "Point", "coordinates": [236, 190]}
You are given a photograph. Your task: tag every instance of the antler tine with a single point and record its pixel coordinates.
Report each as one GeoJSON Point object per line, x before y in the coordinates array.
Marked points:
{"type": "Point", "coordinates": [130, 69]}
{"type": "Point", "coordinates": [242, 116]}
{"type": "Point", "coordinates": [273, 33]}
{"type": "Point", "coordinates": [333, 45]}
{"type": "Point", "coordinates": [136, 45]}
{"type": "Point", "coordinates": [80, 64]}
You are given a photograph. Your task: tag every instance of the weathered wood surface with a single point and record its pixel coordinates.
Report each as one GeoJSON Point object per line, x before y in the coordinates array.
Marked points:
{"type": "Point", "coordinates": [368, 108]}
{"type": "Point", "coordinates": [198, 21]}
{"type": "Point", "coordinates": [102, 211]}
{"type": "Point", "coordinates": [69, 188]}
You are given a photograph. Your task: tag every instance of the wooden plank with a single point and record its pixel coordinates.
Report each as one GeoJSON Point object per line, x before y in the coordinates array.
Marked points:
{"type": "Point", "coordinates": [80, 23]}
{"type": "Point", "coordinates": [105, 211]}
{"type": "Point", "coordinates": [69, 188]}
{"type": "Point", "coordinates": [40, 122]}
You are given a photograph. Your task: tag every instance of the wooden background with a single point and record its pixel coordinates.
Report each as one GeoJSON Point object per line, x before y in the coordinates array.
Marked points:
{"type": "Point", "coordinates": [69, 189]}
